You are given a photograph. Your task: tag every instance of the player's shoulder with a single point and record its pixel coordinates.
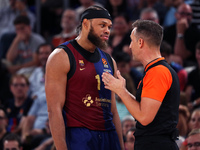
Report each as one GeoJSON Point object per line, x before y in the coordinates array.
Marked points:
{"type": "Point", "coordinates": [58, 53]}
{"type": "Point", "coordinates": [58, 58]}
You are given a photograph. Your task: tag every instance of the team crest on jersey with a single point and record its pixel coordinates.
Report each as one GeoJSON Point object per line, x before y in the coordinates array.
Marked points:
{"type": "Point", "coordinates": [105, 64]}
{"type": "Point", "coordinates": [81, 63]}
{"type": "Point", "coordinates": [87, 100]}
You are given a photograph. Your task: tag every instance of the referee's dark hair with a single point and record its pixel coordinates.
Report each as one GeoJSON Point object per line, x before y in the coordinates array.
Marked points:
{"type": "Point", "coordinates": [148, 30]}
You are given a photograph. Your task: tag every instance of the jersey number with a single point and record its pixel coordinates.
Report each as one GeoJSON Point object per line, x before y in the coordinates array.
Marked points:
{"type": "Point", "coordinates": [98, 81]}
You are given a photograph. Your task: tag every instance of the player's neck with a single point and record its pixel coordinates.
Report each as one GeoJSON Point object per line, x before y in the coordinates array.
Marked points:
{"type": "Point", "coordinates": [86, 44]}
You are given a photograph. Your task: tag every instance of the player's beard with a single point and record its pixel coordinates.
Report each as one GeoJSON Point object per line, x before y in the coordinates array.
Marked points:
{"type": "Point", "coordinates": [96, 40]}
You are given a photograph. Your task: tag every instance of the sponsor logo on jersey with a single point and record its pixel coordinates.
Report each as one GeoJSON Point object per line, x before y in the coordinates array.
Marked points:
{"type": "Point", "coordinates": [107, 70]}
{"type": "Point", "coordinates": [100, 102]}
{"type": "Point", "coordinates": [87, 100]}
{"type": "Point", "coordinates": [105, 64]}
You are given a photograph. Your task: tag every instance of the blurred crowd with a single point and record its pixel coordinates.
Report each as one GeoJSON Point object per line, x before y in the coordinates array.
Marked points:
{"type": "Point", "coordinates": [24, 53]}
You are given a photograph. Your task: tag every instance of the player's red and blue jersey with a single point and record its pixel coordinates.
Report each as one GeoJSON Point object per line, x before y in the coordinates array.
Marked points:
{"type": "Point", "coordinates": [88, 103]}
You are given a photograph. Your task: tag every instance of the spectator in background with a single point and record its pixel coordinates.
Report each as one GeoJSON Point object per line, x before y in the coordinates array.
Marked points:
{"type": "Point", "coordinates": [85, 4]}
{"type": "Point", "coordinates": [117, 7]}
{"type": "Point", "coordinates": [130, 139]}
{"type": "Point", "coordinates": [48, 144]}
{"type": "Point", "coordinates": [12, 142]}
{"type": "Point", "coordinates": [18, 107]}
{"type": "Point", "coordinates": [184, 116]}
{"type": "Point", "coordinates": [9, 13]}
{"type": "Point", "coordinates": [51, 12]}
{"type": "Point", "coordinates": [193, 86]}
{"type": "Point", "coordinates": [5, 42]}
{"type": "Point", "coordinates": [37, 79]}
{"type": "Point", "coordinates": [149, 14]}
{"type": "Point", "coordinates": [182, 36]}
{"type": "Point", "coordinates": [3, 4]}
{"type": "Point", "coordinates": [182, 125]}
{"type": "Point", "coordinates": [21, 53]}
{"type": "Point", "coordinates": [4, 84]}
{"type": "Point", "coordinates": [120, 36]}
{"type": "Point", "coordinates": [69, 23]}
{"type": "Point", "coordinates": [3, 125]}
{"type": "Point", "coordinates": [183, 99]}
{"type": "Point", "coordinates": [194, 123]}
{"type": "Point", "coordinates": [195, 5]}
{"type": "Point", "coordinates": [169, 18]}
{"type": "Point", "coordinates": [7, 28]}
{"type": "Point", "coordinates": [166, 51]}
{"type": "Point", "coordinates": [157, 5]}
{"type": "Point", "coordinates": [128, 122]}
{"type": "Point", "coordinates": [194, 140]}
{"type": "Point", "coordinates": [133, 6]}
{"type": "Point", "coordinates": [175, 63]}
{"type": "Point", "coordinates": [35, 128]}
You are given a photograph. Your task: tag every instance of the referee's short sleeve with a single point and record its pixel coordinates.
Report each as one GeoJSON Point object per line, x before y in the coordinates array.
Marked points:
{"type": "Point", "coordinates": [156, 83]}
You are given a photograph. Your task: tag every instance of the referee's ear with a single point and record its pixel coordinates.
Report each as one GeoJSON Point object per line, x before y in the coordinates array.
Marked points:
{"type": "Point", "coordinates": [141, 42]}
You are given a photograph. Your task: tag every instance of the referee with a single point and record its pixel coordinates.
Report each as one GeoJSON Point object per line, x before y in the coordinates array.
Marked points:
{"type": "Point", "coordinates": [156, 104]}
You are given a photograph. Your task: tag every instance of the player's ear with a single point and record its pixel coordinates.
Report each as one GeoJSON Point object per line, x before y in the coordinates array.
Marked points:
{"type": "Point", "coordinates": [85, 23]}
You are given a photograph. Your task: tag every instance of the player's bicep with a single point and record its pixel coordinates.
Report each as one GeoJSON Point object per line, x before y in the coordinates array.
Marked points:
{"type": "Point", "coordinates": [56, 78]}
